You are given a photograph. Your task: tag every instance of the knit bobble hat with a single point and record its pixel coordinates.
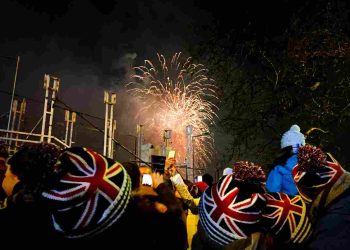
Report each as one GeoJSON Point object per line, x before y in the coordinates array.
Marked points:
{"type": "Point", "coordinates": [201, 185]}
{"type": "Point", "coordinates": [293, 137]}
{"type": "Point", "coordinates": [285, 217]}
{"type": "Point", "coordinates": [227, 171]}
{"type": "Point", "coordinates": [91, 196]}
{"type": "Point", "coordinates": [248, 173]}
{"type": "Point", "coordinates": [315, 172]}
{"type": "Point", "coordinates": [230, 210]}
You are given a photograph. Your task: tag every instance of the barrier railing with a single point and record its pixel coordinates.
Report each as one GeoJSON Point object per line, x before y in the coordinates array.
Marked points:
{"type": "Point", "coordinates": [11, 135]}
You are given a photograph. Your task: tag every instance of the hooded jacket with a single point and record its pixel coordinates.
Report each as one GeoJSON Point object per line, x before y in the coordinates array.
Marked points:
{"type": "Point", "coordinates": [280, 178]}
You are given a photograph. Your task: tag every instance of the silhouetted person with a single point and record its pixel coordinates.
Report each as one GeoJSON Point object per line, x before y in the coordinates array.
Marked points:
{"type": "Point", "coordinates": [325, 186]}
{"type": "Point", "coordinates": [24, 217]}
{"type": "Point", "coordinates": [207, 178]}
{"type": "Point", "coordinates": [280, 178]}
{"type": "Point", "coordinates": [3, 158]}
{"type": "Point", "coordinates": [134, 173]}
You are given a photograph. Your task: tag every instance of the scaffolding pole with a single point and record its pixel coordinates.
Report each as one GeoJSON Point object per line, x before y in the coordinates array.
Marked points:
{"type": "Point", "coordinates": [189, 150]}
{"type": "Point", "coordinates": [53, 89]}
{"type": "Point", "coordinates": [53, 97]}
{"type": "Point", "coordinates": [110, 99]}
{"type": "Point", "coordinates": [22, 110]}
{"type": "Point", "coordinates": [139, 131]}
{"type": "Point", "coordinates": [106, 98]}
{"type": "Point", "coordinates": [73, 120]}
{"type": "Point", "coordinates": [13, 93]}
{"type": "Point", "coordinates": [113, 134]}
{"type": "Point", "coordinates": [46, 87]}
{"type": "Point", "coordinates": [70, 119]}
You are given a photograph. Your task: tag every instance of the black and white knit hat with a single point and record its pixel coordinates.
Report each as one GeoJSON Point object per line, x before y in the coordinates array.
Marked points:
{"type": "Point", "coordinates": [91, 196]}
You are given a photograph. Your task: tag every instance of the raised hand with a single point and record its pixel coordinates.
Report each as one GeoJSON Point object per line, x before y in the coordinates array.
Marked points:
{"type": "Point", "coordinates": [170, 168]}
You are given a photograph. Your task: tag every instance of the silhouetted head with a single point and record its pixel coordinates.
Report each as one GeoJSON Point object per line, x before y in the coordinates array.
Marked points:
{"type": "Point", "coordinates": [134, 173]}
{"type": "Point", "coordinates": [3, 151]}
{"type": "Point", "coordinates": [34, 168]}
{"type": "Point", "coordinates": [207, 178]}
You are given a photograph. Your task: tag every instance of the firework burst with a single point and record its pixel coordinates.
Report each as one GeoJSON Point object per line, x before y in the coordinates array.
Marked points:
{"type": "Point", "coordinates": [173, 95]}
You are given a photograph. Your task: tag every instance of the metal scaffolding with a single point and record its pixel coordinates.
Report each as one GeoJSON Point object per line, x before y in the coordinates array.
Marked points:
{"type": "Point", "coordinates": [113, 136]}
{"type": "Point", "coordinates": [51, 86]}
{"type": "Point", "coordinates": [139, 131]}
{"type": "Point", "coordinates": [189, 150]}
{"type": "Point", "coordinates": [17, 110]}
{"type": "Point", "coordinates": [110, 99]}
{"type": "Point", "coordinates": [70, 119]}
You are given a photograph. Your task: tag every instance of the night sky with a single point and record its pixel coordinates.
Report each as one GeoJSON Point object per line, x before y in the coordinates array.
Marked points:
{"type": "Point", "coordinates": [91, 44]}
{"type": "Point", "coordinates": [88, 45]}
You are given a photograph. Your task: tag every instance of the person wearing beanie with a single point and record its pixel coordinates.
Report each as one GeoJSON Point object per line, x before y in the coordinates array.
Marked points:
{"type": "Point", "coordinates": [227, 171]}
{"type": "Point", "coordinates": [201, 185]}
{"type": "Point", "coordinates": [325, 186]}
{"type": "Point", "coordinates": [90, 197]}
{"type": "Point", "coordinates": [230, 210]}
{"type": "Point", "coordinates": [3, 159]}
{"type": "Point", "coordinates": [190, 199]}
{"type": "Point", "coordinates": [207, 178]}
{"type": "Point", "coordinates": [285, 221]}
{"type": "Point", "coordinates": [69, 198]}
{"type": "Point", "coordinates": [280, 177]}
{"type": "Point", "coordinates": [24, 217]}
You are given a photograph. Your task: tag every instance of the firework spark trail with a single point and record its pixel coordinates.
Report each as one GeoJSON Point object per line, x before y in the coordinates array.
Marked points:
{"type": "Point", "coordinates": [172, 96]}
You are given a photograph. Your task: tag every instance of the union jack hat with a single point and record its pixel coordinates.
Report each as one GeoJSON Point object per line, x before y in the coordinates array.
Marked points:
{"type": "Point", "coordinates": [229, 212]}
{"type": "Point", "coordinates": [285, 217]}
{"type": "Point", "coordinates": [315, 172]}
{"type": "Point", "coordinates": [91, 196]}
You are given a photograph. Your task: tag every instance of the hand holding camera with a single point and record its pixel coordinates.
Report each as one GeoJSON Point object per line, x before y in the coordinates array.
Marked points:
{"type": "Point", "coordinates": [170, 168]}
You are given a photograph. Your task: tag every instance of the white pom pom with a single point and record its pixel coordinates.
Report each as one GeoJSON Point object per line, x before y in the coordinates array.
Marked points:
{"type": "Point", "coordinates": [293, 137]}
{"type": "Point", "coordinates": [227, 171]}
{"type": "Point", "coordinates": [295, 128]}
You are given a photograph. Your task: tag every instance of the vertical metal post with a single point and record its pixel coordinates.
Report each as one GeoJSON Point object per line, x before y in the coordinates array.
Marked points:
{"type": "Point", "coordinates": [167, 137]}
{"type": "Point", "coordinates": [14, 111]}
{"type": "Point", "coordinates": [13, 114]}
{"type": "Point", "coordinates": [110, 130]}
{"type": "Point", "coordinates": [112, 102]}
{"type": "Point", "coordinates": [54, 89]}
{"type": "Point", "coordinates": [113, 135]}
{"type": "Point", "coordinates": [56, 84]}
{"type": "Point", "coordinates": [72, 121]}
{"type": "Point", "coordinates": [193, 162]}
{"type": "Point", "coordinates": [66, 119]}
{"type": "Point", "coordinates": [46, 87]}
{"type": "Point", "coordinates": [135, 142]}
{"type": "Point", "coordinates": [22, 110]}
{"type": "Point", "coordinates": [139, 140]}
{"type": "Point", "coordinates": [106, 100]}
{"type": "Point", "coordinates": [189, 149]}
{"type": "Point", "coordinates": [13, 93]}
